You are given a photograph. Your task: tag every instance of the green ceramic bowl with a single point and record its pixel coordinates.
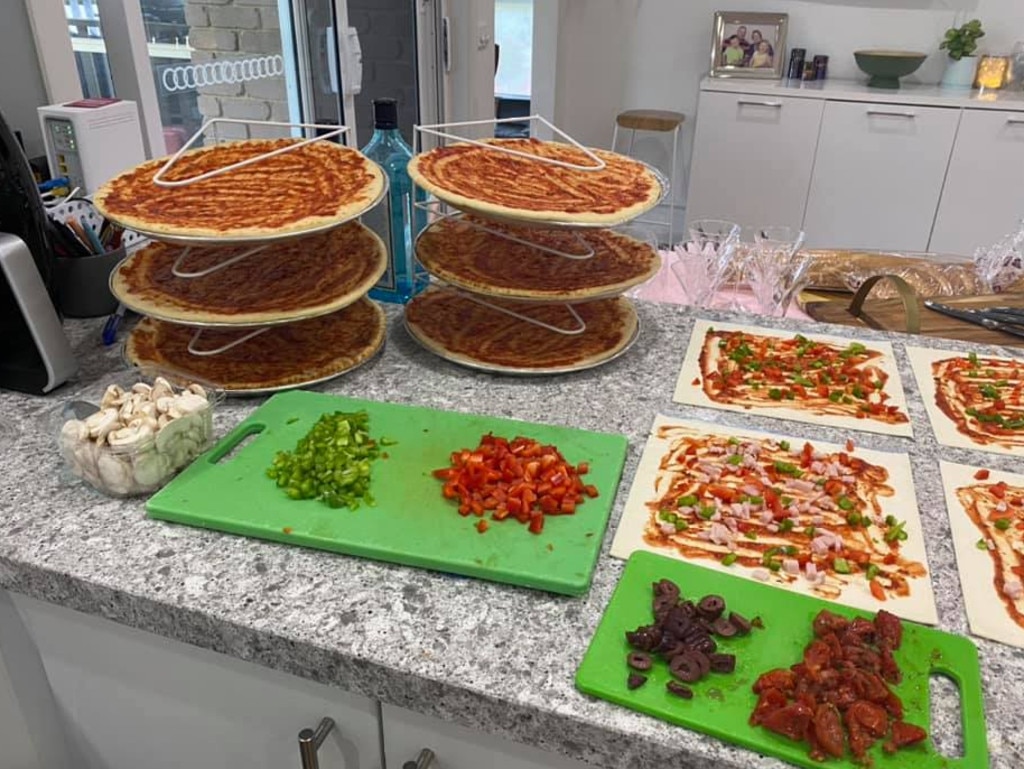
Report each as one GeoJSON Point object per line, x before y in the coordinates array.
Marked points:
{"type": "Point", "coordinates": [887, 67]}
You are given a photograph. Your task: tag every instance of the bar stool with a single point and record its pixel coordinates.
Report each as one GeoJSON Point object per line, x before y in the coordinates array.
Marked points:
{"type": "Point", "coordinates": [657, 120]}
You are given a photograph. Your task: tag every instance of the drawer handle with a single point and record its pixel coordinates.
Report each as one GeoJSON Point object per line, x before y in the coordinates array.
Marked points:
{"type": "Point", "coordinates": [310, 742]}
{"type": "Point", "coordinates": [752, 103]}
{"type": "Point", "coordinates": [1015, 120]}
{"type": "Point", "coordinates": [888, 113]}
{"type": "Point", "coordinates": [424, 760]}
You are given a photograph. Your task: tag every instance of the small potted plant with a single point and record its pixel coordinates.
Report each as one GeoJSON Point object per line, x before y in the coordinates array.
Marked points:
{"type": "Point", "coordinates": [961, 43]}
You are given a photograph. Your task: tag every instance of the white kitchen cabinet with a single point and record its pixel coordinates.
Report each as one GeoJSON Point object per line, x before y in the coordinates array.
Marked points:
{"type": "Point", "coordinates": [878, 175]}
{"type": "Point", "coordinates": [752, 158]}
{"type": "Point", "coordinates": [406, 734]}
{"type": "Point", "coordinates": [987, 164]}
{"type": "Point", "coordinates": [131, 699]}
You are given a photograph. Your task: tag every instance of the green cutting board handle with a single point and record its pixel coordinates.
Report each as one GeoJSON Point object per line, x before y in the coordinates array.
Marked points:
{"type": "Point", "coordinates": [972, 705]}
{"type": "Point", "coordinates": [232, 440]}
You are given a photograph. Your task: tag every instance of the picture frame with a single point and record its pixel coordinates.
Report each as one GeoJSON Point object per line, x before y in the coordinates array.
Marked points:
{"type": "Point", "coordinates": [745, 44]}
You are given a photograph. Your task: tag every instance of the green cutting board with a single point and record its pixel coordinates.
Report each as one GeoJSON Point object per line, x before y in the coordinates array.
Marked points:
{"type": "Point", "coordinates": [723, 703]}
{"type": "Point", "coordinates": [411, 523]}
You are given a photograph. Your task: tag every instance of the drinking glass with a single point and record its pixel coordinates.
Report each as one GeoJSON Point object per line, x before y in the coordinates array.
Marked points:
{"type": "Point", "coordinates": [775, 268]}
{"type": "Point", "coordinates": [702, 261]}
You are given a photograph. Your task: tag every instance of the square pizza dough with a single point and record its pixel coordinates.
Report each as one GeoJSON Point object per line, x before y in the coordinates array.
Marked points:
{"type": "Point", "coordinates": [919, 606]}
{"type": "Point", "coordinates": [986, 613]}
{"type": "Point", "coordinates": [688, 393]}
{"type": "Point", "coordinates": [945, 429]}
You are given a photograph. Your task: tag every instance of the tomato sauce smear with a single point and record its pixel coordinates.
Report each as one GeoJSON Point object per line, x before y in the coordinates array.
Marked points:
{"type": "Point", "coordinates": [521, 479]}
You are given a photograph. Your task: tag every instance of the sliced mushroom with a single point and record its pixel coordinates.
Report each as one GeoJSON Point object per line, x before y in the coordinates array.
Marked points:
{"type": "Point", "coordinates": [129, 436]}
{"type": "Point", "coordinates": [101, 423]}
{"type": "Point", "coordinates": [112, 396]}
{"type": "Point", "coordinates": [190, 403]}
{"type": "Point", "coordinates": [161, 389]}
{"type": "Point", "coordinates": [197, 390]}
{"type": "Point", "coordinates": [163, 403]}
{"type": "Point", "coordinates": [141, 388]}
{"type": "Point", "coordinates": [115, 472]}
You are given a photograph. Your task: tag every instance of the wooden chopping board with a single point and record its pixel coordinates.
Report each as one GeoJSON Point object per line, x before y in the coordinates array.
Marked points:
{"type": "Point", "coordinates": [723, 703]}
{"type": "Point", "coordinates": [889, 315]}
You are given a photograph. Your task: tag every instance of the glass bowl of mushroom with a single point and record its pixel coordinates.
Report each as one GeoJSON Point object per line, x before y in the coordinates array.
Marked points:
{"type": "Point", "coordinates": [132, 434]}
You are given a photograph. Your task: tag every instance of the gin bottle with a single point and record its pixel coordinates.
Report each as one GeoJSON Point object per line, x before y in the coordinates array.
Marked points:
{"type": "Point", "coordinates": [396, 220]}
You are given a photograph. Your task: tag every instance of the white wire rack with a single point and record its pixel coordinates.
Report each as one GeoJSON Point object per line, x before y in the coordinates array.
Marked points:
{"type": "Point", "coordinates": [438, 209]}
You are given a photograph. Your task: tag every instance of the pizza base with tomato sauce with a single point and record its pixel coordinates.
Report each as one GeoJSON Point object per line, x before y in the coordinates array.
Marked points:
{"type": "Point", "coordinates": [291, 279]}
{"type": "Point", "coordinates": [494, 183]}
{"type": "Point", "coordinates": [287, 355]}
{"type": "Point", "coordinates": [830, 521]}
{"type": "Point", "coordinates": [814, 378]}
{"type": "Point", "coordinates": [310, 188]}
{"type": "Point", "coordinates": [460, 252]}
{"type": "Point", "coordinates": [974, 401]}
{"type": "Point", "coordinates": [455, 327]}
{"type": "Point", "coordinates": [986, 514]}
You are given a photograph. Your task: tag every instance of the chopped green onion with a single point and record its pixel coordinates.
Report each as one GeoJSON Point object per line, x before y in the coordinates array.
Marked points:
{"type": "Point", "coordinates": [735, 459]}
{"type": "Point", "coordinates": [786, 525]}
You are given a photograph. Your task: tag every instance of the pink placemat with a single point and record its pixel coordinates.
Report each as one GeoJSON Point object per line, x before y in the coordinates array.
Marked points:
{"type": "Point", "coordinates": [664, 287]}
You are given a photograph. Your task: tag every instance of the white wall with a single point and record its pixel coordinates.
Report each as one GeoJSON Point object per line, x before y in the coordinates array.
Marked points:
{"type": "Point", "coordinates": [21, 86]}
{"type": "Point", "coordinates": [622, 54]}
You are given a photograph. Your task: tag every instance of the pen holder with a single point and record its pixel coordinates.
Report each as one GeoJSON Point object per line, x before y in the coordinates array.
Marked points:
{"type": "Point", "coordinates": [83, 284]}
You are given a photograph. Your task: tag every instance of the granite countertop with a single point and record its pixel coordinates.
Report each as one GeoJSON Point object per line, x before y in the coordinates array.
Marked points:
{"type": "Point", "coordinates": [492, 657]}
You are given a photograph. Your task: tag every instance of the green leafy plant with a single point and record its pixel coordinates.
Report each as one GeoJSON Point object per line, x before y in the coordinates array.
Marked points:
{"type": "Point", "coordinates": [962, 41]}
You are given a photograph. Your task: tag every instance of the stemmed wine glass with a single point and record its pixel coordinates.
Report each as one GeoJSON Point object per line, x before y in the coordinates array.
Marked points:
{"type": "Point", "coordinates": [775, 268]}
{"type": "Point", "coordinates": [703, 260]}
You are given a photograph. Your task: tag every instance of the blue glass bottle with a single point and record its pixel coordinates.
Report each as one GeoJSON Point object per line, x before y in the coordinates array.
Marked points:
{"type": "Point", "coordinates": [395, 219]}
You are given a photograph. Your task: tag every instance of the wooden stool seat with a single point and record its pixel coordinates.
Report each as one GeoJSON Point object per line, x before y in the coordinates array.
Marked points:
{"type": "Point", "coordinates": [650, 119]}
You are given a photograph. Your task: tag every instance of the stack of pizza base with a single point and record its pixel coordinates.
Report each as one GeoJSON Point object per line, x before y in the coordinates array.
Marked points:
{"type": "Point", "coordinates": [256, 278]}
{"type": "Point", "coordinates": [529, 258]}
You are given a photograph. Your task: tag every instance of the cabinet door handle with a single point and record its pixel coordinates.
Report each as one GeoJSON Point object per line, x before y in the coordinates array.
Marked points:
{"type": "Point", "coordinates": [425, 760]}
{"type": "Point", "coordinates": [1015, 120]}
{"type": "Point", "coordinates": [310, 742]}
{"type": "Point", "coordinates": [752, 103]}
{"type": "Point", "coordinates": [888, 113]}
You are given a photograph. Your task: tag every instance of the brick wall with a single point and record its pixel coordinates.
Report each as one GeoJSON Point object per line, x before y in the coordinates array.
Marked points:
{"type": "Point", "coordinates": [238, 30]}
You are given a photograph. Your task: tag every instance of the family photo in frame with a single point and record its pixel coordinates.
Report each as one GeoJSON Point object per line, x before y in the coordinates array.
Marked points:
{"type": "Point", "coordinates": [746, 44]}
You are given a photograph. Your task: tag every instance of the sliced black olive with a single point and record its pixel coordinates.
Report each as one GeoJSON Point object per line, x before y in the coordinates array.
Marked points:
{"type": "Point", "coordinates": [711, 607]}
{"type": "Point", "coordinates": [689, 609]}
{"type": "Point", "coordinates": [678, 689]}
{"type": "Point", "coordinates": [741, 623]}
{"type": "Point", "coordinates": [639, 660]}
{"type": "Point", "coordinates": [724, 628]}
{"type": "Point", "coordinates": [680, 648]}
{"type": "Point", "coordinates": [707, 644]}
{"type": "Point", "coordinates": [686, 667]}
{"type": "Point", "coordinates": [676, 622]}
{"type": "Point", "coordinates": [635, 681]}
{"type": "Point", "coordinates": [703, 660]}
{"type": "Point", "coordinates": [722, 663]}
{"type": "Point", "coordinates": [644, 638]}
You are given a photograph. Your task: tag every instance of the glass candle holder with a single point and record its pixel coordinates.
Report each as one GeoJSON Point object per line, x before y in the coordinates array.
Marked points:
{"type": "Point", "coordinates": [993, 72]}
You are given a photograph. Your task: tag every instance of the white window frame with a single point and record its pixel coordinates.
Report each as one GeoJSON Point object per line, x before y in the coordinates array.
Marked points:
{"type": "Point", "coordinates": [127, 56]}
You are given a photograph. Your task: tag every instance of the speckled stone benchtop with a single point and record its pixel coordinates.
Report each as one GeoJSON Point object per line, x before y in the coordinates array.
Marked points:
{"type": "Point", "coordinates": [488, 656]}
